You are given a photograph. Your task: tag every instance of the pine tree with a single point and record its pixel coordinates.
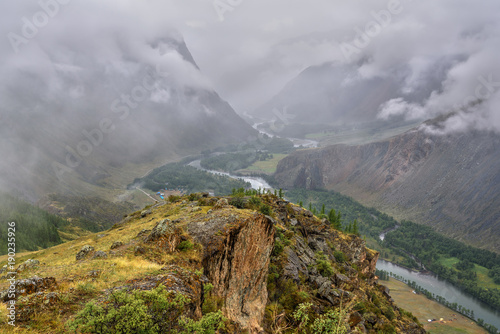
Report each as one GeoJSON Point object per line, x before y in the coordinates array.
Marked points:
{"type": "Point", "coordinates": [355, 227]}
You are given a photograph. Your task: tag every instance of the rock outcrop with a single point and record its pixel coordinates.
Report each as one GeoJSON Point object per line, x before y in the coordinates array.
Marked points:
{"type": "Point", "coordinates": [236, 260]}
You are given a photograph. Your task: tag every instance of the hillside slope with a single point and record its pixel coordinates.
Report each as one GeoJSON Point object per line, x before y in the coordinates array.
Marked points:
{"type": "Point", "coordinates": [212, 262]}
{"type": "Point", "coordinates": [450, 182]}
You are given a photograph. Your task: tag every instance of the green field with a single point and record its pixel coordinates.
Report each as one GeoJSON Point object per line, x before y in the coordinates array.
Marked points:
{"type": "Point", "coordinates": [483, 280]}
{"type": "Point", "coordinates": [266, 167]}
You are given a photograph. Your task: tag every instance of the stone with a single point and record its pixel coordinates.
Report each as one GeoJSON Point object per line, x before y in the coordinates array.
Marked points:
{"type": "Point", "coordinates": [144, 213]}
{"type": "Point", "coordinates": [84, 252]}
{"type": "Point", "coordinates": [237, 263]}
{"type": "Point", "coordinates": [100, 255]}
{"type": "Point", "coordinates": [116, 244]}
{"type": "Point", "coordinates": [94, 273]}
{"type": "Point", "coordinates": [354, 319]}
{"type": "Point", "coordinates": [139, 250]}
{"type": "Point", "coordinates": [30, 286]}
{"type": "Point", "coordinates": [221, 204]}
{"type": "Point", "coordinates": [142, 233]}
{"type": "Point", "coordinates": [30, 263]}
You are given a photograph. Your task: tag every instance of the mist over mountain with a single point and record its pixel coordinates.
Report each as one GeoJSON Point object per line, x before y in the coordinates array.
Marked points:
{"type": "Point", "coordinates": [338, 94]}
{"type": "Point", "coordinates": [100, 96]}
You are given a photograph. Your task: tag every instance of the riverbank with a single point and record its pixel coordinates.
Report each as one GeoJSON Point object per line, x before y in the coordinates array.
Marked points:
{"type": "Point", "coordinates": [425, 309]}
{"type": "Point", "coordinates": [443, 289]}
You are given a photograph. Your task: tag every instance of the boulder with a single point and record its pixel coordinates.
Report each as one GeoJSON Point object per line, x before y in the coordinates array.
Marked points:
{"type": "Point", "coordinates": [100, 255]}
{"type": "Point", "coordinates": [84, 252]}
{"type": "Point", "coordinates": [221, 204]}
{"type": "Point", "coordinates": [144, 213]}
{"type": "Point", "coordinates": [116, 244]}
{"type": "Point", "coordinates": [30, 263]}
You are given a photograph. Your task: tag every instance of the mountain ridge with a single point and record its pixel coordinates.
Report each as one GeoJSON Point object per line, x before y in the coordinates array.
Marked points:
{"type": "Point", "coordinates": [446, 181]}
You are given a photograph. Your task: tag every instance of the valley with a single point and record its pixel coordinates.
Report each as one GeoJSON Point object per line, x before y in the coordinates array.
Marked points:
{"type": "Point", "coordinates": [249, 168]}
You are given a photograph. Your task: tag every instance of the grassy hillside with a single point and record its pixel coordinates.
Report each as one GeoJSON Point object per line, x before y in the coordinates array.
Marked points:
{"type": "Point", "coordinates": [169, 257]}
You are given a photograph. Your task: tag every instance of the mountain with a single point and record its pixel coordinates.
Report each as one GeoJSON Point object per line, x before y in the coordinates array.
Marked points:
{"type": "Point", "coordinates": [87, 122]}
{"type": "Point", "coordinates": [203, 263]}
{"type": "Point", "coordinates": [340, 95]}
{"type": "Point", "coordinates": [448, 181]}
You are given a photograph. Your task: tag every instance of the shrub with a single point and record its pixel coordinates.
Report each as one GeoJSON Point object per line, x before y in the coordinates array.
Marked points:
{"type": "Point", "coordinates": [332, 321]}
{"type": "Point", "coordinates": [255, 201]}
{"type": "Point", "coordinates": [173, 198]}
{"type": "Point", "coordinates": [194, 197]}
{"type": "Point", "coordinates": [323, 265]}
{"type": "Point", "coordinates": [149, 312]}
{"type": "Point", "coordinates": [153, 311]}
{"type": "Point", "coordinates": [184, 246]}
{"type": "Point", "coordinates": [278, 247]}
{"type": "Point", "coordinates": [339, 256]}
{"type": "Point", "coordinates": [237, 202]}
{"type": "Point", "coordinates": [208, 324]}
{"type": "Point", "coordinates": [265, 209]}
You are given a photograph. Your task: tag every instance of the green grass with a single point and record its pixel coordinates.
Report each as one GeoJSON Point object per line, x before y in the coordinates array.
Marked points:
{"type": "Point", "coordinates": [483, 279]}
{"type": "Point", "coordinates": [449, 262]}
{"type": "Point", "coordinates": [268, 166]}
{"type": "Point", "coordinates": [482, 273]}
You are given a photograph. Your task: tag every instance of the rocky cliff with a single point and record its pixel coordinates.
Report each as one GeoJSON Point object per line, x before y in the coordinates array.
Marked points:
{"type": "Point", "coordinates": [205, 264]}
{"type": "Point", "coordinates": [447, 181]}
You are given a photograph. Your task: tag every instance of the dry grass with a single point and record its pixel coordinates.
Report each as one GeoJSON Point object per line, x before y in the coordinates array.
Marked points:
{"type": "Point", "coordinates": [425, 309]}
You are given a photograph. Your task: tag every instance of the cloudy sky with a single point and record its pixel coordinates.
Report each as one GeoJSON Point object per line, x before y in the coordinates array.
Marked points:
{"type": "Point", "coordinates": [248, 50]}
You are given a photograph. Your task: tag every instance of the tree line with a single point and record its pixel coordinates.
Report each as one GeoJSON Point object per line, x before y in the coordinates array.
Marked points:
{"type": "Point", "coordinates": [35, 228]}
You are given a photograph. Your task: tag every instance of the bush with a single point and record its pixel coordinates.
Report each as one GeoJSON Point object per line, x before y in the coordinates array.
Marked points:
{"type": "Point", "coordinates": [278, 247]}
{"type": "Point", "coordinates": [154, 311]}
{"type": "Point", "coordinates": [194, 197]}
{"type": "Point", "coordinates": [323, 265]}
{"type": "Point", "coordinates": [265, 209]}
{"type": "Point", "coordinates": [148, 312]}
{"type": "Point", "coordinates": [173, 198]}
{"type": "Point", "coordinates": [333, 321]}
{"type": "Point", "coordinates": [255, 201]}
{"type": "Point", "coordinates": [339, 256]}
{"type": "Point", "coordinates": [237, 202]}
{"type": "Point", "coordinates": [184, 246]}
{"type": "Point", "coordinates": [208, 324]}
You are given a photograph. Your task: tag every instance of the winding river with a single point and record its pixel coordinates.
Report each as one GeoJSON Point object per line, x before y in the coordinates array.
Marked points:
{"type": "Point", "coordinates": [444, 289]}
{"type": "Point", "coordinates": [441, 288]}
{"type": "Point", "coordinates": [255, 182]}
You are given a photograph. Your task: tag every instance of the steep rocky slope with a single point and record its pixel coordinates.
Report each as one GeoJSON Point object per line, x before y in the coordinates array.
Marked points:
{"type": "Point", "coordinates": [214, 260]}
{"type": "Point", "coordinates": [447, 181]}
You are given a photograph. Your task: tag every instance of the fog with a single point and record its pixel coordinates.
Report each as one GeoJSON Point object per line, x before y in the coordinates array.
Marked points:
{"type": "Point", "coordinates": [68, 66]}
